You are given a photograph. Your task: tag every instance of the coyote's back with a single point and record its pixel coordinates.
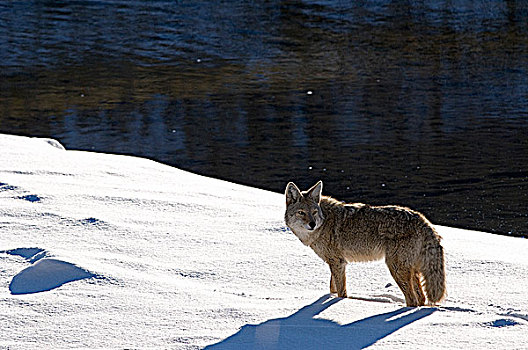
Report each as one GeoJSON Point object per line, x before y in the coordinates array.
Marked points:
{"type": "Point", "coordinates": [341, 233]}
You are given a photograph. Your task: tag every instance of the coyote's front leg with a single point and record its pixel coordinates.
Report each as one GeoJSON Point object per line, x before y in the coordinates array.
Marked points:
{"type": "Point", "coordinates": [333, 288]}
{"type": "Point", "coordinates": [338, 279]}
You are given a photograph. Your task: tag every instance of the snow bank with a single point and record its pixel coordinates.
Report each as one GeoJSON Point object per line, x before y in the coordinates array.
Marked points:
{"type": "Point", "coordinates": [107, 251]}
{"type": "Point", "coordinates": [45, 275]}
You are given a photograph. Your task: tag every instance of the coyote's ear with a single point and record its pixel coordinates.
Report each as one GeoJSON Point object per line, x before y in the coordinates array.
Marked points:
{"type": "Point", "coordinates": [314, 193]}
{"type": "Point", "coordinates": [293, 194]}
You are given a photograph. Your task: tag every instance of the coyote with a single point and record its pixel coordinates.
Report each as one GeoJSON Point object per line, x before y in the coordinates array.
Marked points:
{"type": "Point", "coordinates": [340, 233]}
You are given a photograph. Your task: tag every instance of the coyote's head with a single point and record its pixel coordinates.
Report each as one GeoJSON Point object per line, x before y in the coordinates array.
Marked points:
{"type": "Point", "coordinates": [303, 212]}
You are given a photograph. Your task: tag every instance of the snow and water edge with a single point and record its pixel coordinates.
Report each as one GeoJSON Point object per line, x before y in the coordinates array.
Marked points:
{"type": "Point", "coordinates": [116, 251]}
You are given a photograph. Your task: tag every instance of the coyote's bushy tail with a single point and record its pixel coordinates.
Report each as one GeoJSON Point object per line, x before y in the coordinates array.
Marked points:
{"type": "Point", "coordinates": [433, 266]}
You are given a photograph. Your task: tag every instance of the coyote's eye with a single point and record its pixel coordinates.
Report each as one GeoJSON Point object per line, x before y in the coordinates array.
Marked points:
{"type": "Point", "coordinates": [315, 212]}
{"type": "Point", "coordinates": [301, 213]}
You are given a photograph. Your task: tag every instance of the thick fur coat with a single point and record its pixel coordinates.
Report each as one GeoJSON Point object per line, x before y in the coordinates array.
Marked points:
{"type": "Point", "coordinates": [341, 233]}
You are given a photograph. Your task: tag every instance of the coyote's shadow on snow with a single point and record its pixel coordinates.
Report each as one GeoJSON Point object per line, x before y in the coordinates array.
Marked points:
{"type": "Point", "coordinates": [302, 331]}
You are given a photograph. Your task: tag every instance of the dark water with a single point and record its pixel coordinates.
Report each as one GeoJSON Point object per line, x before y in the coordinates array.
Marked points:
{"type": "Point", "coordinates": [420, 103]}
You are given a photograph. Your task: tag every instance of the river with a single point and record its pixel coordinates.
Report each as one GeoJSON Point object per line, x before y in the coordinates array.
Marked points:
{"type": "Point", "coordinates": [417, 103]}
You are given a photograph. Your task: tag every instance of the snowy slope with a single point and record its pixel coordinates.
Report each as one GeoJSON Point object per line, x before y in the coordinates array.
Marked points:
{"type": "Point", "coordinates": [107, 251]}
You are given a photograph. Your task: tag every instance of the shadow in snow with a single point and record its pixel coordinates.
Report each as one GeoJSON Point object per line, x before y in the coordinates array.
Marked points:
{"type": "Point", "coordinates": [44, 274]}
{"type": "Point", "coordinates": [30, 254]}
{"type": "Point", "coordinates": [31, 198]}
{"type": "Point", "coordinates": [302, 331]}
{"type": "Point", "coordinates": [382, 298]}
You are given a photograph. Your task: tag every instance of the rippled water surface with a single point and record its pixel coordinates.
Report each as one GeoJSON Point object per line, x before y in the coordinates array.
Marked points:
{"type": "Point", "coordinates": [420, 103]}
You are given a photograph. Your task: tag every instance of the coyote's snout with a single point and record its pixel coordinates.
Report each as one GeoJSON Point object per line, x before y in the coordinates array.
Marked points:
{"type": "Point", "coordinates": [341, 233]}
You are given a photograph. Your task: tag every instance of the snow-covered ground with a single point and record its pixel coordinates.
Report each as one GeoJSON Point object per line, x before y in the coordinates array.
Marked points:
{"type": "Point", "coordinates": [108, 251]}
